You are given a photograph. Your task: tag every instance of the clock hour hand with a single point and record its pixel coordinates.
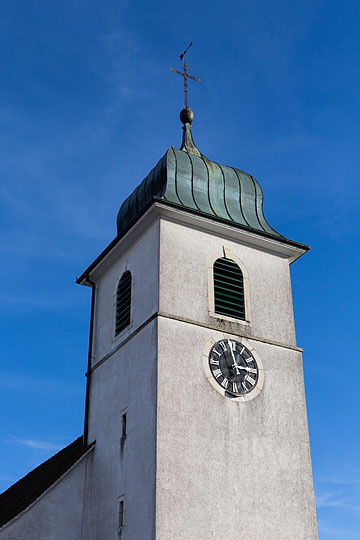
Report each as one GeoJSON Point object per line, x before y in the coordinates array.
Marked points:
{"type": "Point", "coordinates": [246, 368]}
{"type": "Point", "coordinates": [252, 370]}
{"type": "Point", "coordinates": [237, 367]}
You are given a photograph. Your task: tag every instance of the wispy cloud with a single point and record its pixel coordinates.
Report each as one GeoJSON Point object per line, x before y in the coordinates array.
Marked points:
{"type": "Point", "coordinates": [52, 303]}
{"type": "Point", "coordinates": [331, 499]}
{"type": "Point", "coordinates": [17, 382]}
{"type": "Point", "coordinates": [35, 444]}
{"type": "Point", "coordinates": [336, 531]}
{"type": "Point", "coordinates": [355, 481]}
{"type": "Point", "coordinates": [339, 494]}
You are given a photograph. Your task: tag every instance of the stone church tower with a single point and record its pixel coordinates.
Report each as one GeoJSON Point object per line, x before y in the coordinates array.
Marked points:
{"type": "Point", "coordinates": [195, 421]}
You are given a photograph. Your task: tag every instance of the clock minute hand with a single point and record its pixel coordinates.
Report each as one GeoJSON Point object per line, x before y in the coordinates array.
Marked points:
{"type": "Point", "coordinates": [232, 352]}
{"type": "Point", "coordinates": [235, 365]}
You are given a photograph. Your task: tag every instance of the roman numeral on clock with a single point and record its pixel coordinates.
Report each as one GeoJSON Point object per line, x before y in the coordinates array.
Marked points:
{"type": "Point", "coordinates": [217, 373]}
{"type": "Point", "coordinates": [225, 383]}
{"type": "Point", "coordinates": [214, 362]}
{"type": "Point", "coordinates": [223, 346]}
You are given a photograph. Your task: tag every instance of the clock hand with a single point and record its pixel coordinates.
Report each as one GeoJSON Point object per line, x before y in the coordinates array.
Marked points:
{"type": "Point", "coordinates": [238, 367]}
{"type": "Point", "coordinates": [232, 352]}
{"type": "Point", "coordinates": [252, 370]}
{"type": "Point", "coordinates": [235, 365]}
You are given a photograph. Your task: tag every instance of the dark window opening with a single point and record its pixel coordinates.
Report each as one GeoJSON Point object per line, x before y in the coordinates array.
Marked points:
{"type": "Point", "coordinates": [123, 303]}
{"type": "Point", "coordinates": [228, 289]}
{"type": "Point", "coordinates": [123, 428]}
{"type": "Point", "coordinates": [121, 516]}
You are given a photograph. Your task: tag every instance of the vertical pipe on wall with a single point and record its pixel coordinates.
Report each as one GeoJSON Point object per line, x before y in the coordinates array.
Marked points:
{"type": "Point", "coordinates": [88, 373]}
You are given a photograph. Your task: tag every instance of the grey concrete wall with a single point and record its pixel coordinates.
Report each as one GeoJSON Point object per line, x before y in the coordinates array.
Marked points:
{"type": "Point", "coordinates": [184, 258]}
{"type": "Point", "coordinates": [227, 469]}
{"type": "Point", "coordinates": [205, 466]}
{"type": "Point", "coordinates": [57, 515]}
{"type": "Point", "coordinates": [142, 259]}
{"type": "Point", "coordinates": [125, 379]}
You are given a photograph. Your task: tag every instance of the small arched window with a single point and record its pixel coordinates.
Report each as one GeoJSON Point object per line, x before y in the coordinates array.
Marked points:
{"type": "Point", "coordinates": [123, 303]}
{"type": "Point", "coordinates": [228, 289]}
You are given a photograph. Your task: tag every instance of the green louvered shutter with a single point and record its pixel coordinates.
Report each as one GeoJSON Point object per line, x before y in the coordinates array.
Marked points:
{"type": "Point", "coordinates": [229, 289]}
{"type": "Point", "coordinates": [123, 303]}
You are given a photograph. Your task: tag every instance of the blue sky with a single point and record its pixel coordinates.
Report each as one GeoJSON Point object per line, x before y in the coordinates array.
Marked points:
{"type": "Point", "coordinates": [87, 107]}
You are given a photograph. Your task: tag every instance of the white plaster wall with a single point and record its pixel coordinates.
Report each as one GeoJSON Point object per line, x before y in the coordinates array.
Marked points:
{"type": "Point", "coordinates": [178, 460]}
{"type": "Point", "coordinates": [184, 257]}
{"type": "Point", "coordinates": [127, 379]}
{"type": "Point", "coordinates": [228, 469]}
{"type": "Point", "coordinates": [142, 259]}
{"type": "Point", "coordinates": [57, 515]}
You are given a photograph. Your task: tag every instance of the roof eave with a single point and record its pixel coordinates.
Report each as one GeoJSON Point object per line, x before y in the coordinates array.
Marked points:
{"type": "Point", "coordinates": [291, 249]}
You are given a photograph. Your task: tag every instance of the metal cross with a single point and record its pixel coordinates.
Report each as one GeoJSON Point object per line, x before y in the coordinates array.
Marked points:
{"type": "Point", "coordinates": [186, 76]}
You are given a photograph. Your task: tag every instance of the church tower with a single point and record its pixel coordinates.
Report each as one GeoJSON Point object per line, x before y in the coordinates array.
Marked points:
{"type": "Point", "coordinates": [195, 391]}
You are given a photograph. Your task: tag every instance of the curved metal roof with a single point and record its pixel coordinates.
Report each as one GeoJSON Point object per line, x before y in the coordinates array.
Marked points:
{"type": "Point", "coordinates": [189, 180]}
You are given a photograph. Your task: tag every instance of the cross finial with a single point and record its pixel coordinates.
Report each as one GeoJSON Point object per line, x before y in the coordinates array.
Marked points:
{"type": "Point", "coordinates": [186, 76]}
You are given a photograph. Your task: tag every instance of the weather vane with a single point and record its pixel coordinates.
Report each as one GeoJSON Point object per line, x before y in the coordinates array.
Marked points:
{"type": "Point", "coordinates": [186, 76]}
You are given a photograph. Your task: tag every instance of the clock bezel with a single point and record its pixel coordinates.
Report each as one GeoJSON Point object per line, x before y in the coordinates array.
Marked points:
{"type": "Point", "coordinates": [205, 360]}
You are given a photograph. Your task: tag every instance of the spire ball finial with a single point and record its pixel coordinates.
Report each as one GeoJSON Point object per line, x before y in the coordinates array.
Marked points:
{"type": "Point", "coordinates": [186, 115]}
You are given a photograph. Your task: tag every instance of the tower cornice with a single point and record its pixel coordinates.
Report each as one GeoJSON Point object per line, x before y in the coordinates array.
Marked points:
{"type": "Point", "coordinates": [158, 209]}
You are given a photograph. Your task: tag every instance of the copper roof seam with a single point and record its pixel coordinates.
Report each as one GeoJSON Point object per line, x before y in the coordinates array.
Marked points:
{"type": "Point", "coordinates": [223, 175]}
{"type": "Point", "coordinates": [240, 197]}
{"type": "Point", "coordinates": [256, 200]}
{"type": "Point", "coordinates": [205, 160]}
{"type": "Point", "coordinates": [163, 175]}
{"type": "Point", "coordinates": [192, 180]}
{"type": "Point", "coordinates": [170, 181]}
{"type": "Point", "coordinates": [156, 180]}
{"type": "Point", "coordinates": [137, 199]}
{"type": "Point", "coordinates": [240, 205]}
{"type": "Point", "coordinates": [127, 208]}
{"type": "Point", "coordinates": [147, 182]}
{"type": "Point", "coordinates": [175, 180]}
{"type": "Point", "coordinates": [133, 202]}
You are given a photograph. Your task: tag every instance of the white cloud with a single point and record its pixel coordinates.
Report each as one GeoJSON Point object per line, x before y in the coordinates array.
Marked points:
{"type": "Point", "coordinates": [17, 382]}
{"type": "Point", "coordinates": [330, 499]}
{"type": "Point", "coordinates": [341, 481]}
{"type": "Point", "coordinates": [35, 444]}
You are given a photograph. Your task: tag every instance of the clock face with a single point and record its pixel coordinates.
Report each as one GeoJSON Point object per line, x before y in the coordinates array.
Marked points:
{"type": "Point", "coordinates": [233, 367]}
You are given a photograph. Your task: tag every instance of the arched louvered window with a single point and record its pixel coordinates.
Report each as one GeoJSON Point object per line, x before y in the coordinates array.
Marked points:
{"type": "Point", "coordinates": [123, 303]}
{"type": "Point", "coordinates": [228, 289]}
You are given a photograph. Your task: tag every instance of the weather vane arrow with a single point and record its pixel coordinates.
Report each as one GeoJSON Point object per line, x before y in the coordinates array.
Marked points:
{"type": "Point", "coordinates": [186, 76]}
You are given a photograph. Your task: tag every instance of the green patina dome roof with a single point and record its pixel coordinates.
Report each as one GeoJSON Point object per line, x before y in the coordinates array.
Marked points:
{"type": "Point", "coordinates": [187, 179]}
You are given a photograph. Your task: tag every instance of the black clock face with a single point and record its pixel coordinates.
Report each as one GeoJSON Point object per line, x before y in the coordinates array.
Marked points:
{"type": "Point", "coordinates": [233, 367]}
